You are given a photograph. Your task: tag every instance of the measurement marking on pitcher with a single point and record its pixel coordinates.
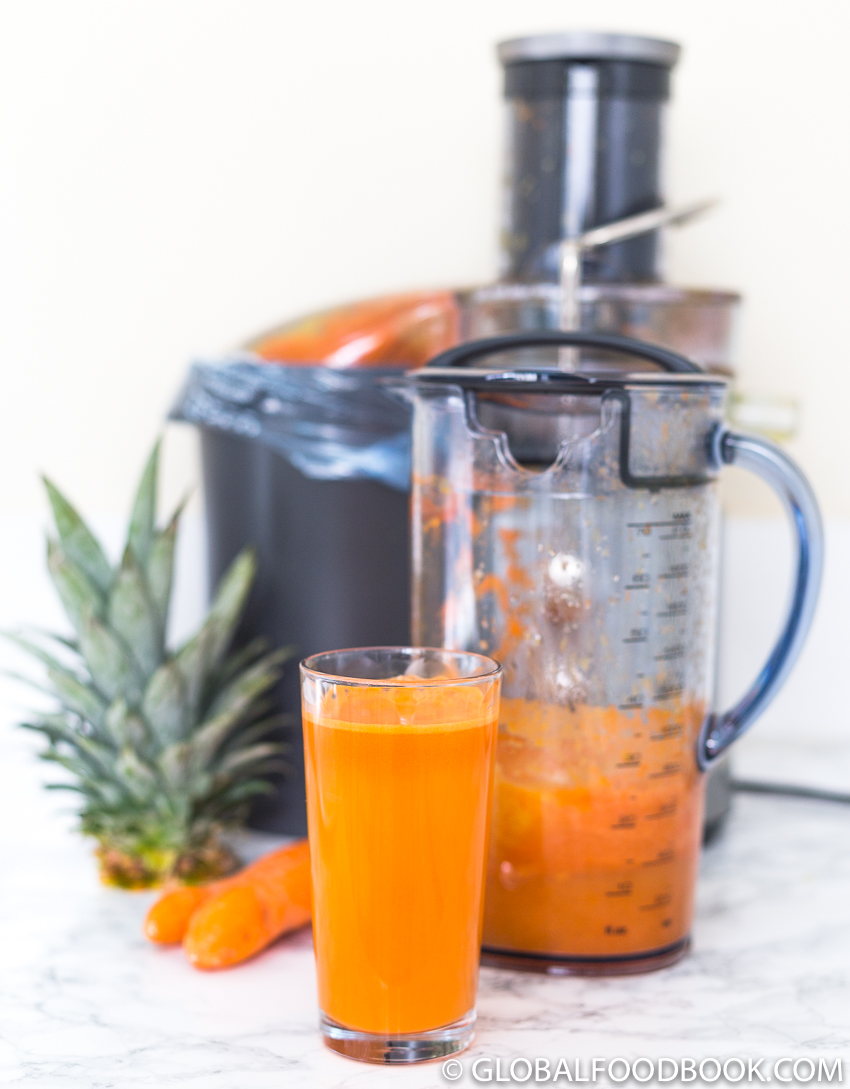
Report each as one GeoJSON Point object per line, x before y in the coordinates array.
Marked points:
{"type": "Point", "coordinates": [661, 900]}
{"type": "Point", "coordinates": [663, 858]}
{"type": "Point", "coordinates": [682, 521]}
{"type": "Point", "coordinates": [675, 571]}
{"type": "Point", "coordinates": [668, 733]}
{"type": "Point", "coordinates": [668, 692]}
{"type": "Point", "coordinates": [667, 809]}
{"type": "Point", "coordinates": [666, 771]}
{"type": "Point", "coordinates": [674, 609]}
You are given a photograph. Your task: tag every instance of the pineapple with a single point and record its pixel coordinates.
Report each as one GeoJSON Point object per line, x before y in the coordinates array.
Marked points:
{"type": "Point", "coordinates": [164, 747]}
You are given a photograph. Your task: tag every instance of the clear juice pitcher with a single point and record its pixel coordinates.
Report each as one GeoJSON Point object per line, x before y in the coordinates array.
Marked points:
{"type": "Point", "coordinates": [566, 524]}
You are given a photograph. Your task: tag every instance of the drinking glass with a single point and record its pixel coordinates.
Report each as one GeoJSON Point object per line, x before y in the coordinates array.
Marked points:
{"type": "Point", "coordinates": [399, 746]}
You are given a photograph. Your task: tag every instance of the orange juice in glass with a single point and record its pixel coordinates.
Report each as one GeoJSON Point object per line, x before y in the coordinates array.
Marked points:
{"type": "Point", "coordinates": [398, 746]}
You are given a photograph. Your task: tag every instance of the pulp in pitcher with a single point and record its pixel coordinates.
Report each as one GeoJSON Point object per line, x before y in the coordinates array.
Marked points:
{"type": "Point", "coordinates": [596, 829]}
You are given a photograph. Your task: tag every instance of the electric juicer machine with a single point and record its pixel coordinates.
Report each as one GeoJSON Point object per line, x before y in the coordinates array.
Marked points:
{"type": "Point", "coordinates": [565, 518]}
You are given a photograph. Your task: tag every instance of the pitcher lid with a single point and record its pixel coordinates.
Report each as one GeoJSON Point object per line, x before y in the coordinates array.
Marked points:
{"type": "Point", "coordinates": [451, 367]}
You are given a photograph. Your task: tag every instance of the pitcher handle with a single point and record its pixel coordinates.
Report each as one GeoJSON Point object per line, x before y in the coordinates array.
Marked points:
{"type": "Point", "coordinates": [768, 461]}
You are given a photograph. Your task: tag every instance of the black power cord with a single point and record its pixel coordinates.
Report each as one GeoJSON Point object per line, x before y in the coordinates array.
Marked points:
{"type": "Point", "coordinates": [753, 786]}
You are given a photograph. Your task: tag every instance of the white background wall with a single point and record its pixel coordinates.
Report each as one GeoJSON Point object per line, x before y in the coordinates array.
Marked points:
{"type": "Point", "coordinates": [177, 174]}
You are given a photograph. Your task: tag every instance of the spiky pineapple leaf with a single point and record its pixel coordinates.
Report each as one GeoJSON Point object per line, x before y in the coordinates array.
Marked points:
{"type": "Point", "coordinates": [137, 778]}
{"type": "Point", "coordinates": [200, 658]}
{"type": "Point", "coordinates": [63, 640]}
{"type": "Point", "coordinates": [231, 706]}
{"type": "Point", "coordinates": [113, 669]}
{"type": "Point", "coordinates": [228, 800]}
{"type": "Point", "coordinates": [234, 663]}
{"type": "Point", "coordinates": [72, 689]}
{"type": "Point", "coordinates": [143, 516]}
{"type": "Point", "coordinates": [240, 792]}
{"type": "Point", "coordinates": [78, 542]}
{"type": "Point", "coordinates": [93, 761]}
{"type": "Point", "coordinates": [159, 569]}
{"type": "Point", "coordinates": [126, 728]}
{"type": "Point", "coordinates": [233, 588]}
{"type": "Point", "coordinates": [44, 720]}
{"type": "Point", "coordinates": [80, 769]}
{"type": "Point", "coordinates": [248, 685]}
{"type": "Point", "coordinates": [234, 794]}
{"type": "Point", "coordinates": [78, 696]}
{"type": "Point", "coordinates": [249, 759]}
{"type": "Point", "coordinates": [132, 615]}
{"type": "Point", "coordinates": [191, 662]}
{"type": "Point", "coordinates": [164, 703]}
{"type": "Point", "coordinates": [174, 764]}
{"type": "Point", "coordinates": [80, 596]}
{"type": "Point", "coordinates": [55, 727]}
{"type": "Point", "coordinates": [228, 605]}
{"type": "Point", "coordinates": [259, 730]}
{"type": "Point", "coordinates": [34, 649]}
{"type": "Point", "coordinates": [73, 693]}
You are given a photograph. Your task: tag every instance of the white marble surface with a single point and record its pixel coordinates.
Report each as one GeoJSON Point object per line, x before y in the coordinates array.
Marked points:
{"type": "Point", "coordinates": [85, 1001]}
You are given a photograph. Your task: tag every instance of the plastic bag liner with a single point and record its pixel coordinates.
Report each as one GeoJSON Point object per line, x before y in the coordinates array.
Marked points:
{"type": "Point", "coordinates": [330, 424]}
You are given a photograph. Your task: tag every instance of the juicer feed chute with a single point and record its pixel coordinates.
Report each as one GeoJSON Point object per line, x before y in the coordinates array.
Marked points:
{"type": "Point", "coordinates": [584, 134]}
{"type": "Point", "coordinates": [566, 523]}
{"type": "Point", "coordinates": [583, 173]}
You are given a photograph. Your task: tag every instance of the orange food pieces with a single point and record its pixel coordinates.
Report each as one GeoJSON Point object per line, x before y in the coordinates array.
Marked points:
{"type": "Point", "coordinates": [227, 921]}
{"type": "Point", "coordinates": [168, 919]}
{"type": "Point", "coordinates": [230, 927]}
{"type": "Point", "coordinates": [393, 330]}
{"type": "Point", "coordinates": [596, 829]}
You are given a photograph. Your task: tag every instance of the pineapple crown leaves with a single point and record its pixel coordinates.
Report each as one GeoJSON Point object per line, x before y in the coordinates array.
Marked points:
{"type": "Point", "coordinates": [163, 746]}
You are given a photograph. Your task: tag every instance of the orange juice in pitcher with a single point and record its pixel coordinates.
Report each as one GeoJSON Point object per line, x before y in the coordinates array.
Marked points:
{"type": "Point", "coordinates": [596, 830]}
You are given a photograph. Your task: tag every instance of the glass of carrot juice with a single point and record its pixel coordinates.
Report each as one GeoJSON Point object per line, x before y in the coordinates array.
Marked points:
{"type": "Point", "coordinates": [399, 746]}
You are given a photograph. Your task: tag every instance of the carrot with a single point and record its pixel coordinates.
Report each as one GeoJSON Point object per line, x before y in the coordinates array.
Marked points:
{"type": "Point", "coordinates": [167, 919]}
{"type": "Point", "coordinates": [245, 913]}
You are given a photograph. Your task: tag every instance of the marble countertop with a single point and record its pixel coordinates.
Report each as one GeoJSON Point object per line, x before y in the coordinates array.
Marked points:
{"type": "Point", "coordinates": [86, 1001]}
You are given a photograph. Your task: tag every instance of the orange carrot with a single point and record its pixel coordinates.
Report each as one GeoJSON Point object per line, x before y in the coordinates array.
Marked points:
{"type": "Point", "coordinates": [244, 913]}
{"type": "Point", "coordinates": [167, 919]}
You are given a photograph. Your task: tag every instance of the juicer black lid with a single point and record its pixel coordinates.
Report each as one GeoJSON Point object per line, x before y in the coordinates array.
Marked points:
{"type": "Point", "coordinates": [553, 380]}
{"type": "Point", "coordinates": [450, 367]}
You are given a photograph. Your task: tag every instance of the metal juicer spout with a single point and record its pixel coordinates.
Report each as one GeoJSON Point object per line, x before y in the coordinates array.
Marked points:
{"type": "Point", "coordinates": [571, 250]}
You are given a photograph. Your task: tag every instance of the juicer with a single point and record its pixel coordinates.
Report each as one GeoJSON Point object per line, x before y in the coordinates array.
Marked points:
{"type": "Point", "coordinates": [288, 466]}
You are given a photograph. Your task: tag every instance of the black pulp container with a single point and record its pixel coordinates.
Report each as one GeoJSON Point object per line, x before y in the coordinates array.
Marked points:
{"type": "Point", "coordinates": [333, 572]}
